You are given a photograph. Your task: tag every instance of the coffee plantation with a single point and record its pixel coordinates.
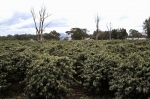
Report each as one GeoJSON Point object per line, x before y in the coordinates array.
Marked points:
{"type": "Point", "coordinates": [114, 69]}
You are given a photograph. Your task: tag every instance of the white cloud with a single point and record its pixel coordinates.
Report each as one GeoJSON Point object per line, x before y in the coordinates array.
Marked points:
{"type": "Point", "coordinates": [128, 14]}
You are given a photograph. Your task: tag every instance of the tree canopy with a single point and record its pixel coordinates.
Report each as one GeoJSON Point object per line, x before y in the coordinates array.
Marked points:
{"type": "Point", "coordinates": [77, 33]}
{"type": "Point", "coordinates": [115, 34]}
{"type": "Point", "coordinates": [52, 35]}
{"type": "Point", "coordinates": [119, 33]}
{"type": "Point", "coordinates": [146, 27]}
{"type": "Point", "coordinates": [134, 33]}
{"type": "Point", "coordinates": [101, 35]}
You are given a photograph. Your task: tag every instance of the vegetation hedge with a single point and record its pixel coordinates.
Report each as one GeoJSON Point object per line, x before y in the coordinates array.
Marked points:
{"type": "Point", "coordinates": [118, 69]}
{"type": "Point", "coordinates": [50, 77]}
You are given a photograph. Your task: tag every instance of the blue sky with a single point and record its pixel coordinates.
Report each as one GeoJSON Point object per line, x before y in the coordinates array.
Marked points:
{"type": "Point", "coordinates": [15, 16]}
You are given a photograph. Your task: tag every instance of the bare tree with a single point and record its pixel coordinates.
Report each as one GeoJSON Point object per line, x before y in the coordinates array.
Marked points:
{"type": "Point", "coordinates": [97, 19]}
{"type": "Point", "coordinates": [109, 27]}
{"type": "Point", "coordinates": [42, 16]}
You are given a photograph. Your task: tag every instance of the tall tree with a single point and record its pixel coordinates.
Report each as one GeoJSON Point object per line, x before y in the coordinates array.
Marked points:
{"type": "Point", "coordinates": [146, 27]}
{"type": "Point", "coordinates": [97, 19]}
{"type": "Point", "coordinates": [134, 33]}
{"type": "Point", "coordinates": [77, 33]}
{"type": "Point", "coordinates": [119, 33]}
{"type": "Point", "coordinates": [114, 34]}
{"type": "Point", "coordinates": [103, 35]}
{"type": "Point", "coordinates": [55, 34]}
{"type": "Point", "coordinates": [109, 27]}
{"type": "Point", "coordinates": [42, 16]}
{"type": "Point", "coordinates": [52, 35]}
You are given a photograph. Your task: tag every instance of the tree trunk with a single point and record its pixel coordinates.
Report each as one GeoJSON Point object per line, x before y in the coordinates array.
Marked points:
{"type": "Point", "coordinates": [41, 37]}
{"type": "Point", "coordinates": [109, 35]}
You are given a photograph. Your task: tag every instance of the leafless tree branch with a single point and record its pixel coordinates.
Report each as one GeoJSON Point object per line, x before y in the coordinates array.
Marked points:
{"type": "Point", "coordinates": [42, 16]}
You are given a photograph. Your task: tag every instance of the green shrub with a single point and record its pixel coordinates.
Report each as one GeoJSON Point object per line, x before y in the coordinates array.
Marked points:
{"type": "Point", "coordinates": [132, 76]}
{"type": "Point", "coordinates": [49, 77]}
{"type": "Point", "coordinates": [49, 69]}
{"type": "Point", "coordinates": [97, 73]}
{"type": "Point", "coordinates": [13, 63]}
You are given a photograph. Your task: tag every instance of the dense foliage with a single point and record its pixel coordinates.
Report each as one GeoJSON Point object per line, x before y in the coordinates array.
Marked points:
{"type": "Point", "coordinates": [119, 34]}
{"type": "Point", "coordinates": [49, 76]}
{"type": "Point", "coordinates": [115, 34]}
{"type": "Point", "coordinates": [146, 27]}
{"type": "Point", "coordinates": [51, 69]}
{"type": "Point", "coordinates": [53, 35]}
{"type": "Point", "coordinates": [135, 34]}
{"type": "Point", "coordinates": [77, 33]}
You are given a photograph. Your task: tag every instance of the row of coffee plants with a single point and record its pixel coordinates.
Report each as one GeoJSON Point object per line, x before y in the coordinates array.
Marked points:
{"type": "Point", "coordinates": [25, 69]}
{"type": "Point", "coordinates": [51, 69]}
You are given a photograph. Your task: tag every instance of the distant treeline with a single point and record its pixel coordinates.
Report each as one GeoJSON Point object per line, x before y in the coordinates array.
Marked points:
{"type": "Point", "coordinates": [48, 36]}
{"type": "Point", "coordinates": [19, 37]}
{"type": "Point", "coordinates": [79, 34]}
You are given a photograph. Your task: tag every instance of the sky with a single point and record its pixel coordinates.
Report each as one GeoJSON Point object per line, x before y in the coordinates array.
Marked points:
{"type": "Point", "coordinates": [16, 18]}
